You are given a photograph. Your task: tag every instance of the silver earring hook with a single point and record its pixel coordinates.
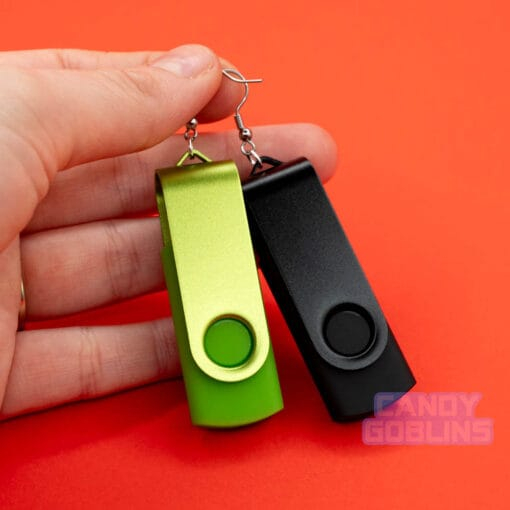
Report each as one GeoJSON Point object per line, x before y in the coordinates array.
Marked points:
{"type": "Point", "coordinates": [235, 75]}
{"type": "Point", "coordinates": [247, 145]}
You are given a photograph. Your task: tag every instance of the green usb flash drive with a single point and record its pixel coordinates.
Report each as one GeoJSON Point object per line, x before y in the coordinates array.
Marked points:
{"type": "Point", "coordinates": [226, 356]}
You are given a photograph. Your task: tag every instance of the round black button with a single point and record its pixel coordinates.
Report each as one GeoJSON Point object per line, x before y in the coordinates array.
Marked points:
{"type": "Point", "coordinates": [349, 330]}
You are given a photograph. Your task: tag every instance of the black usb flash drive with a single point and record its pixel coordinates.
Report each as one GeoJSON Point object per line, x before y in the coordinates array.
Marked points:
{"type": "Point", "coordinates": [322, 291]}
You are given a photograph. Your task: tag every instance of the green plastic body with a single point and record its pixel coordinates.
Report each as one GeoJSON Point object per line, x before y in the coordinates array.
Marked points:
{"type": "Point", "coordinates": [212, 280]}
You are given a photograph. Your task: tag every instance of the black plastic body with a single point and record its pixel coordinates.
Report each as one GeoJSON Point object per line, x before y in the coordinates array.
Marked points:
{"type": "Point", "coordinates": [313, 272]}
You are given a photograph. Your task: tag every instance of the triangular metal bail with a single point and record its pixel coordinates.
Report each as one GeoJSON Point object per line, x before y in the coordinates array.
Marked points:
{"type": "Point", "coordinates": [191, 155]}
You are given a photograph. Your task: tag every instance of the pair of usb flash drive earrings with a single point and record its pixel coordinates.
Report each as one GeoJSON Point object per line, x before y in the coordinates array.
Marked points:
{"type": "Point", "coordinates": [211, 275]}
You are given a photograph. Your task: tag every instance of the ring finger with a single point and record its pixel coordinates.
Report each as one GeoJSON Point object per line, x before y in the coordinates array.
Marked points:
{"type": "Point", "coordinates": [67, 270]}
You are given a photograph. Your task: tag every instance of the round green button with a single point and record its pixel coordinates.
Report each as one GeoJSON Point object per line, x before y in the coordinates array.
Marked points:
{"type": "Point", "coordinates": [228, 342]}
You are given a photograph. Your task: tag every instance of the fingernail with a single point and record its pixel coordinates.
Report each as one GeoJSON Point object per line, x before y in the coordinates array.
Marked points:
{"type": "Point", "coordinates": [186, 61]}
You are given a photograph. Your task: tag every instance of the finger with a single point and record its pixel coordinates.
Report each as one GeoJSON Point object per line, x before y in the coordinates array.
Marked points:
{"type": "Point", "coordinates": [10, 291]}
{"type": "Point", "coordinates": [76, 59]}
{"type": "Point", "coordinates": [54, 119]}
{"type": "Point", "coordinates": [222, 104]}
{"type": "Point", "coordinates": [55, 366]}
{"type": "Point", "coordinates": [116, 187]}
{"type": "Point", "coordinates": [225, 100]}
{"type": "Point", "coordinates": [106, 261]}
{"type": "Point", "coordinates": [76, 268]}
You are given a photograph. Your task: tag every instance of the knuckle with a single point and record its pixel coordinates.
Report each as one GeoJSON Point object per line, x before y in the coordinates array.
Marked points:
{"type": "Point", "coordinates": [122, 261]}
{"type": "Point", "coordinates": [164, 349]}
{"type": "Point", "coordinates": [130, 193]}
{"type": "Point", "coordinates": [61, 58]}
{"type": "Point", "coordinates": [121, 183]}
{"type": "Point", "coordinates": [90, 364]}
{"type": "Point", "coordinates": [140, 84]}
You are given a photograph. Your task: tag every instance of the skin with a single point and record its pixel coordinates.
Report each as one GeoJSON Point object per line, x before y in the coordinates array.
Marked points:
{"type": "Point", "coordinates": [80, 136]}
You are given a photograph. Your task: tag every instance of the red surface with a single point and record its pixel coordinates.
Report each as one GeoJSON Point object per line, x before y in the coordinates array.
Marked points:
{"type": "Point", "coordinates": [416, 96]}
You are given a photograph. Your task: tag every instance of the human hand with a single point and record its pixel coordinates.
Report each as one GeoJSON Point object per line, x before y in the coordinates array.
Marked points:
{"type": "Point", "coordinates": [81, 134]}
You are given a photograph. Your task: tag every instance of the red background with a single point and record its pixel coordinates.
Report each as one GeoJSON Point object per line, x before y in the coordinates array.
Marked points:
{"type": "Point", "coordinates": [416, 95]}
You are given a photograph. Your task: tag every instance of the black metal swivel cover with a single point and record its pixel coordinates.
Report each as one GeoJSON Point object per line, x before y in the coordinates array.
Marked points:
{"type": "Point", "coordinates": [322, 291]}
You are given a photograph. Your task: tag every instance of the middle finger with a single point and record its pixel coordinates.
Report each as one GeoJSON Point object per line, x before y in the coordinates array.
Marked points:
{"type": "Point", "coordinates": [116, 187]}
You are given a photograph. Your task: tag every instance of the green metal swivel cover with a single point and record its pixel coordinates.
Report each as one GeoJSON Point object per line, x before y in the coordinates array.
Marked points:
{"type": "Point", "coordinates": [226, 355]}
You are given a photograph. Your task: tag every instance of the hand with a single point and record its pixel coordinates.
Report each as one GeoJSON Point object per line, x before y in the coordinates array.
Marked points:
{"type": "Point", "coordinates": [81, 134]}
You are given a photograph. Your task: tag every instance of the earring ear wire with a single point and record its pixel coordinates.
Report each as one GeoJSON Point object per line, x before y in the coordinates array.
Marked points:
{"type": "Point", "coordinates": [248, 147]}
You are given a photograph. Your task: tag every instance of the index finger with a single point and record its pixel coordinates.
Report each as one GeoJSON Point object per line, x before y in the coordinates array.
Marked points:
{"type": "Point", "coordinates": [219, 107]}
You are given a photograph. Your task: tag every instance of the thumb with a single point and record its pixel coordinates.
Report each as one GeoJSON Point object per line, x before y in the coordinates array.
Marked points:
{"type": "Point", "coordinates": [54, 119]}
